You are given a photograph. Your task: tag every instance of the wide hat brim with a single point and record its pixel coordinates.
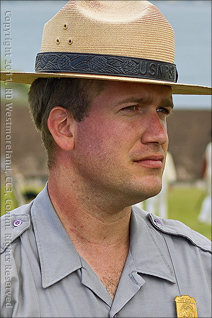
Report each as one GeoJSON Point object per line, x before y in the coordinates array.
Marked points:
{"type": "Point", "coordinates": [177, 88]}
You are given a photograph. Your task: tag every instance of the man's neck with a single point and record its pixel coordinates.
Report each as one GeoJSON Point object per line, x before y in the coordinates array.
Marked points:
{"type": "Point", "coordinates": [86, 221]}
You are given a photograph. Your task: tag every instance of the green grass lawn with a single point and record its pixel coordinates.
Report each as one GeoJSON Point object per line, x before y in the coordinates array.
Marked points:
{"type": "Point", "coordinates": [184, 204]}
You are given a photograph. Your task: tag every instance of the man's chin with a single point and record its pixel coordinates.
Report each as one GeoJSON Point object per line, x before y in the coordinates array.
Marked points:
{"type": "Point", "coordinates": [151, 185]}
{"type": "Point", "coordinates": [147, 191]}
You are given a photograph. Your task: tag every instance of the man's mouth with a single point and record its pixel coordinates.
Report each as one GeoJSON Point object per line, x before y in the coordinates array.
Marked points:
{"type": "Point", "coordinates": [154, 161]}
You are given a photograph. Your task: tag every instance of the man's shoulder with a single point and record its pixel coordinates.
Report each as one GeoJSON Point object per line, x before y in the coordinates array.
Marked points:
{"type": "Point", "coordinates": [14, 224]}
{"type": "Point", "coordinates": [177, 229]}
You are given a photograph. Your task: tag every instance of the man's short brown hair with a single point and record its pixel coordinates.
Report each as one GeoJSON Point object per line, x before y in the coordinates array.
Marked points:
{"type": "Point", "coordinates": [75, 95]}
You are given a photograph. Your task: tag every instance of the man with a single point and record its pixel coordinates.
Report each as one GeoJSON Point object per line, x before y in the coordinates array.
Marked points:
{"type": "Point", "coordinates": [79, 249]}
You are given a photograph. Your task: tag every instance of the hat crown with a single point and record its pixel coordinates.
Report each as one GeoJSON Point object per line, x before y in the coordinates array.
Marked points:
{"type": "Point", "coordinates": [122, 28]}
{"type": "Point", "coordinates": [112, 11]}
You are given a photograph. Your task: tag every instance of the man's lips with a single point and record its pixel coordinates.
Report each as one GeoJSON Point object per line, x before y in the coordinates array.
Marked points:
{"type": "Point", "coordinates": [154, 161]}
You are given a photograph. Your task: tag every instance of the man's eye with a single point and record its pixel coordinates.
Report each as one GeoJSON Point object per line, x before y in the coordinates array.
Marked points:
{"type": "Point", "coordinates": [131, 108]}
{"type": "Point", "coordinates": [164, 110]}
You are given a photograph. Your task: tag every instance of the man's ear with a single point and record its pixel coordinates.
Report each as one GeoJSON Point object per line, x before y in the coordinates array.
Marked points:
{"type": "Point", "coordinates": [61, 126]}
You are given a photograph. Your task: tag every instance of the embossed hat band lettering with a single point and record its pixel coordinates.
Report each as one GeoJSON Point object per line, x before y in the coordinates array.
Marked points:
{"type": "Point", "coordinates": [62, 62]}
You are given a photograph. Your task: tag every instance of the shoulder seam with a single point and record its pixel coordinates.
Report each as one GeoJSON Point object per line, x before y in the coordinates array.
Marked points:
{"type": "Point", "coordinates": [195, 238]}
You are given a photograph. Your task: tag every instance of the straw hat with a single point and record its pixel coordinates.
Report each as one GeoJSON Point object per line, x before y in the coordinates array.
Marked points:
{"type": "Point", "coordinates": [115, 40]}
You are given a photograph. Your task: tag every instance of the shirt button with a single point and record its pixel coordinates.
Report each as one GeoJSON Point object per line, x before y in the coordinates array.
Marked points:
{"type": "Point", "coordinates": [157, 221]}
{"type": "Point", "coordinates": [17, 223]}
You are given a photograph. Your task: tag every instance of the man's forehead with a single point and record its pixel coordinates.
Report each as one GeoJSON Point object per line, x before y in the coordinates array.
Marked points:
{"type": "Point", "coordinates": [142, 93]}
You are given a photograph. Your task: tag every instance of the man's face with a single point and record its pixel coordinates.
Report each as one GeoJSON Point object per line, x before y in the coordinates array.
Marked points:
{"type": "Point", "coordinates": [120, 147]}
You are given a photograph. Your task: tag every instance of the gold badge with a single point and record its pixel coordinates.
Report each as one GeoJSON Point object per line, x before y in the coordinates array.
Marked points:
{"type": "Point", "coordinates": [186, 307]}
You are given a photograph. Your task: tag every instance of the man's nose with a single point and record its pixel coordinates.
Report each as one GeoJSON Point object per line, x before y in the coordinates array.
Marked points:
{"type": "Point", "coordinates": [156, 130]}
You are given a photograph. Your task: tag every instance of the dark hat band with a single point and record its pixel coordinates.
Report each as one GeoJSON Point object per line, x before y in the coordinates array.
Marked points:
{"type": "Point", "coordinates": [109, 65]}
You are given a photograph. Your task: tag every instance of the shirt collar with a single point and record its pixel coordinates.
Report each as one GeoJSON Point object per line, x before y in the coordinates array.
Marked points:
{"type": "Point", "coordinates": [58, 256]}
{"type": "Point", "coordinates": [148, 248]}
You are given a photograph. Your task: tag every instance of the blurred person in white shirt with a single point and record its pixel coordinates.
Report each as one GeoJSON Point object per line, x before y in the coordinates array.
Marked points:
{"type": "Point", "coordinates": [205, 212]}
{"type": "Point", "coordinates": [158, 204]}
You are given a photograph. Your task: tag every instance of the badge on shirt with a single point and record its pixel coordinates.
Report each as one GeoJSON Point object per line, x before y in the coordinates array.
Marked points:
{"type": "Point", "coordinates": [186, 307]}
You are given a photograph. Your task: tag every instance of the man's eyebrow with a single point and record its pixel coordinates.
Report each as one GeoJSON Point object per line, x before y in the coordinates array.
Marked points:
{"type": "Point", "coordinates": [142, 100]}
{"type": "Point", "coordinates": [166, 102]}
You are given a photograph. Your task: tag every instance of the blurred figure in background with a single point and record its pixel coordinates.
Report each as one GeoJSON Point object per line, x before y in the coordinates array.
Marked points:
{"type": "Point", "coordinates": [158, 204]}
{"type": "Point", "coordinates": [205, 212]}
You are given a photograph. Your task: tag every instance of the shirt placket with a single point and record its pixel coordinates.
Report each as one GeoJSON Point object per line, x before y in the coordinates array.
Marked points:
{"type": "Point", "coordinates": [130, 283]}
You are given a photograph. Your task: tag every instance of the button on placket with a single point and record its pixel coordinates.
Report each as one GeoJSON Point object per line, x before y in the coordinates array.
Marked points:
{"type": "Point", "coordinates": [17, 223]}
{"type": "Point", "coordinates": [157, 221]}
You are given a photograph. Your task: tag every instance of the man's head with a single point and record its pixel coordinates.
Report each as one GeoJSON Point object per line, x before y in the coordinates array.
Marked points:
{"type": "Point", "coordinates": [80, 122]}
{"type": "Point", "coordinates": [117, 145]}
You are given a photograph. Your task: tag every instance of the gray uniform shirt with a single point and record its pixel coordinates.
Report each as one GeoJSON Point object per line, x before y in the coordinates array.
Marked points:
{"type": "Point", "coordinates": [44, 276]}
